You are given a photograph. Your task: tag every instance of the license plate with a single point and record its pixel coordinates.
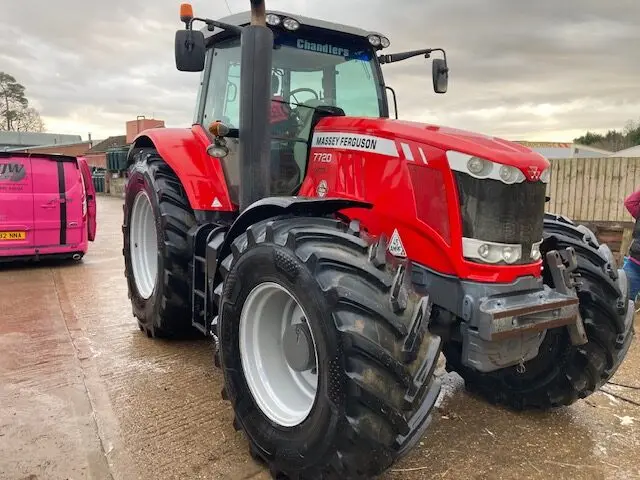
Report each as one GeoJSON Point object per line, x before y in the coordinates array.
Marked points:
{"type": "Point", "coordinates": [12, 236]}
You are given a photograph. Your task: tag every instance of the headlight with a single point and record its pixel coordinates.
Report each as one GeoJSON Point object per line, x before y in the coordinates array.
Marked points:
{"type": "Point", "coordinates": [546, 176]}
{"type": "Point", "coordinates": [375, 40]}
{"type": "Point", "coordinates": [511, 175]}
{"type": "Point", "coordinates": [482, 168]}
{"type": "Point", "coordinates": [477, 166]}
{"type": "Point", "coordinates": [535, 251]}
{"type": "Point", "coordinates": [490, 252]}
{"type": "Point", "coordinates": [385, 42]}
{"type": "Point", "coordinates": [291, 24]}
{"type": "Point", "coordinates": [273, 20]}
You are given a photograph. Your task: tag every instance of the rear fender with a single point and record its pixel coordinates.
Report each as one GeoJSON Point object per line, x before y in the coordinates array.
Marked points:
{"type": "Point", "coordinates": [185, 151]}
{"type": "Point", "coordinates": [277, 206]}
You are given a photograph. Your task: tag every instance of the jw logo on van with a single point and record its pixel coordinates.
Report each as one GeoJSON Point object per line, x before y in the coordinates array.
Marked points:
{"type": "Point", "coordinates": [12, 172]}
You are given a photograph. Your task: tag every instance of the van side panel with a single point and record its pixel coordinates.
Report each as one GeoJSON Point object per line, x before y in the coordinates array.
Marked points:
{"type": "Point", "coordinates": [16, 204]}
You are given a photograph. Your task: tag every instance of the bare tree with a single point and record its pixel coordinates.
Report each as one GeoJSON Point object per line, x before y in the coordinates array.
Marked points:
{"type": "Point", "coordinates": [29, 121]}
{"type": "Point", "coordinates": [15, 112]}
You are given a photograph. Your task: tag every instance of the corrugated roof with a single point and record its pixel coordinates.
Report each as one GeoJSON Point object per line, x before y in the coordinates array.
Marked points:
{"type": "Point", "coordinates": [52, 145]}
{"type": "Point", "coordinates": [628, 152]}
{"type": "Point", "coordinates": [545, 144]}
{"type": "Point", "coordinates": [31, 139]}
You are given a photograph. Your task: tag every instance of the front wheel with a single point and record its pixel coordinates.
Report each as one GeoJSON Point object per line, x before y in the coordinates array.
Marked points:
{"type": "Point", "coordinates": [326, 355]}
{"type": "Point", "coordinates": [563, 373]}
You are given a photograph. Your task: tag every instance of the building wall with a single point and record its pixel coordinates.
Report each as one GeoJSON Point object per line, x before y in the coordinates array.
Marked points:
{"type": "Point", "coordinates": [98, 160]}
{"type": "Point", "coordinates": [75, 150]}
{"type": "Point", "coordinates": [136, 126]}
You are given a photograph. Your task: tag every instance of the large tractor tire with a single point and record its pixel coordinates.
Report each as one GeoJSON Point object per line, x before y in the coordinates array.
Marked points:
{"type": "Point", "coordinates": [563, 373]}
{"type": "Point", "coordinates": [157, 217]}
{"type": "Point", "coordinates": [326, 354]}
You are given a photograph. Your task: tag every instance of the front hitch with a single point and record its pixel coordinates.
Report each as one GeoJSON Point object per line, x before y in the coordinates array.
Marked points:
{"type": "Point", "coordinates": [562, 266]}
{"type": "Point", "coordinates": [508, 316]}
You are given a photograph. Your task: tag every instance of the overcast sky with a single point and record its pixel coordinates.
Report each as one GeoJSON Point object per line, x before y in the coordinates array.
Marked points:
{"type": "Point", "coordinates": [523, 70]}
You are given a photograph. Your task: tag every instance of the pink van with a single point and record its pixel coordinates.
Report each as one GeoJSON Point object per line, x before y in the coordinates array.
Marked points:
{"type": "Point", "coordinates": [47, 207]}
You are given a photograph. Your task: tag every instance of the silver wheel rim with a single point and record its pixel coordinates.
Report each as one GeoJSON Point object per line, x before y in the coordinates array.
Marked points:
{"type": "Point", "coordinates": [143, 245]}
{"type": "Point", "coordinates": [284, 395]}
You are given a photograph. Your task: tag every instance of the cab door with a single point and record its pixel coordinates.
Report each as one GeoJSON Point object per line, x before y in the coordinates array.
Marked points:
{"type": "Point", "coordinates": [49, 201]}
{"type": "Point", "coordinates": [90, 198]}
{"type": "Point", "coordinates": [75, 203]}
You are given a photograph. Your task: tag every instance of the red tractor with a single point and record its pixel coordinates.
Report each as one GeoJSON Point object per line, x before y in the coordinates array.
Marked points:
{"type": "Point", "coordinates": [333, 252]}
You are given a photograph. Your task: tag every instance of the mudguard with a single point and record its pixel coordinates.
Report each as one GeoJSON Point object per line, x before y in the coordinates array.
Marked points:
{"type": "Point", "coordinates": [185, 151]}
{"type": "Point", "coordinates": [277, 206]}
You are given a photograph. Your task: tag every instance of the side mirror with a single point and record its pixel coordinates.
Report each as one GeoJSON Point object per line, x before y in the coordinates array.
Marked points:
{"type": "Point", "coordinates": [440, 73]}
{"type": "Point", "coordinates": [190, 50]}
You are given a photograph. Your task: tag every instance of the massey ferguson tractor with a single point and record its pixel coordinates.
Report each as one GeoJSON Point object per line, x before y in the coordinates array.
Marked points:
{"type": "Point", "coordinates": [332, 252]}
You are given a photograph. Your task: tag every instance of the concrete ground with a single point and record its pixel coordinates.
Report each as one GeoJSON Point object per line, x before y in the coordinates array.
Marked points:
{"type": "Point", "coordinates": [83, 394]}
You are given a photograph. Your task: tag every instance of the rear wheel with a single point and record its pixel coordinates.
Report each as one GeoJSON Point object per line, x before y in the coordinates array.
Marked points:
{"type": "Point", "coordinates": [563, 373]}
{"type": "Point", "coordinates": [157, 217]}
{"type": "Point", "coordinates": [326, 354]}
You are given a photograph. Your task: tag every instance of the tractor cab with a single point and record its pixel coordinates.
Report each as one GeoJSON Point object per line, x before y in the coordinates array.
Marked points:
{"type": "Point", "coordinates": [318, 69]}
{"type": "Point", "coordinates": [314, 65]}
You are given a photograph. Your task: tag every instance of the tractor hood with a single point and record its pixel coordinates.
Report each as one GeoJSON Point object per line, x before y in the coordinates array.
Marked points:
{"type": "Point", "coordinates": [444, 138]}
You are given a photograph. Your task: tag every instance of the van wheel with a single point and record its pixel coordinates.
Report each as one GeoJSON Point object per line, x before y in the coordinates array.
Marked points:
{"type": "Point", "coordinates": [157, 217]}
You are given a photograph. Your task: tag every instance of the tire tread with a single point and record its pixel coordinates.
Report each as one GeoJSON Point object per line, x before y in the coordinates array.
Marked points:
{"type": "Point", "coordinates": [395, 347]}
{"type": "Point", "coordinates": [172, 319]}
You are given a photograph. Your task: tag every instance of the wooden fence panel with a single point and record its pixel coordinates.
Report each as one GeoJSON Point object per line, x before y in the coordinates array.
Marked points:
{"type": "Point", "coordinates": [593, 189]}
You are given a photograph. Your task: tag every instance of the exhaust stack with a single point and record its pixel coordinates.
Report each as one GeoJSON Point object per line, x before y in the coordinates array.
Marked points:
{"type": "Point", "coordinates": [255, 91]}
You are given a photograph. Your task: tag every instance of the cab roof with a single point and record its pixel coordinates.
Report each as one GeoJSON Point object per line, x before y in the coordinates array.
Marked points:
{"type": "Point", "coordinates": [244, 18]}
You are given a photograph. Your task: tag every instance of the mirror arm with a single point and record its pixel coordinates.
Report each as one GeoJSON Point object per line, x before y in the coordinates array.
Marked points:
{"type": "Point", "coordinates": [211, 24]}
{"type": "Point", "coordinates": [399, 57]}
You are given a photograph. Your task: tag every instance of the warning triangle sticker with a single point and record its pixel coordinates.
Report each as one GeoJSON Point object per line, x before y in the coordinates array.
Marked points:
{"type": "Point", "coordinates": [216, 203]}
{"type": "Point", "coordinates": [396, 248]}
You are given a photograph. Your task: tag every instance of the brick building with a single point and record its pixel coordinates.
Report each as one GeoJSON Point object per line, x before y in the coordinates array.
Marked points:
{"type": "Point", "coordinates": [94, 151]}
{"type": "Point", "coordinates": [97, 155]}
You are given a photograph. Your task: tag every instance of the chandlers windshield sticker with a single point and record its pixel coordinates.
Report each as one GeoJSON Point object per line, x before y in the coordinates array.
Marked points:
{"type": "Point", "coordinates": [322, 48]}
{"type": "Point", "coordinates": [335, 46]}
{"type": "Point", "coordinates": [352, 141]}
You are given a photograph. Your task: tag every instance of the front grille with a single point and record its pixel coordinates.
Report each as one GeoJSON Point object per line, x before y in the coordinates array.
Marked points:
{"type": "Point", "coordinates": [496, 212]}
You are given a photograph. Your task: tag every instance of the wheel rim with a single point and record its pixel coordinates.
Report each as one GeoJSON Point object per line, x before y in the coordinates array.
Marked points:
{"type": "Point", "coordinates": [284, 395]}
{"type": "Point", "coordinates": [143, 245]}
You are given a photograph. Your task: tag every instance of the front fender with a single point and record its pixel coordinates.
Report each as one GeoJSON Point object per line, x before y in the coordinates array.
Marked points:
{"type": "Point", "coordinates": [185, 151]}
{"type": "Point", "coordinates": [277, 206]}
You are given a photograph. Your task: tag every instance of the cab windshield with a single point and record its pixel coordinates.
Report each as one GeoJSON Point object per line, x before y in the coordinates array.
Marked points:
{"type": "Point", "coordinates": [309, 70]}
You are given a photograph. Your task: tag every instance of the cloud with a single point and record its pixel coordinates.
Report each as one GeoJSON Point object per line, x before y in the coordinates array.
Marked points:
{"type": "Point", "coordinates": [534, 70]}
